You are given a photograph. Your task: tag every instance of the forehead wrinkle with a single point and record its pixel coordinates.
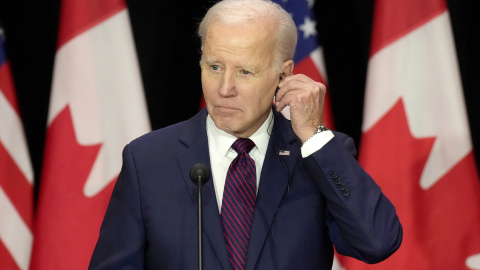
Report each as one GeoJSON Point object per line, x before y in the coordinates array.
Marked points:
{"type": "Point", "coordinates": [234, 49]}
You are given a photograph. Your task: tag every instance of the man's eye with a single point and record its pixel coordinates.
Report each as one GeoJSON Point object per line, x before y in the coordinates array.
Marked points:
{"type": "Point", "coordinates": [214, 67]}
{"type": "Point", "coordinates": [245, 72]}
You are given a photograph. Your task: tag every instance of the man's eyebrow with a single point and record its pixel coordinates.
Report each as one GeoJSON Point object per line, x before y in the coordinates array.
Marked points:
{"type": "Point", "coordinates": [210, 60]}
{"type": "Point", "coordinates": [250, 68]}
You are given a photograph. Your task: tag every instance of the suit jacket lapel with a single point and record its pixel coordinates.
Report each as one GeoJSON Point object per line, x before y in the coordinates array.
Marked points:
{"type": "Point", "coordinates": [276, 172]}
{"type": "Point", "coordinates": [196, 151]}
{"type": "Point", "coordinates": [275, 175]}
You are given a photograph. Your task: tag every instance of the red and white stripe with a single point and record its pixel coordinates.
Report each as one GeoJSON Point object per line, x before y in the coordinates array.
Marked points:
{"type": "Point", "coordinates": [16, 181]}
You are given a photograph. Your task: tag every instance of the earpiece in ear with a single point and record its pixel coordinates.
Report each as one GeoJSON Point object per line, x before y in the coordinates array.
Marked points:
{"type": "Point", "coordinates": [276, 90]}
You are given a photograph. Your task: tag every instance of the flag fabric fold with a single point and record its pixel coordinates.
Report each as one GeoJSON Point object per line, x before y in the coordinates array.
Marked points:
{"type": "Point", "coordinates": [416, 139]}
{"type": "Point", "coordinates": [97, 106]}
{"type": "Point", "coordinates": [16, 176]}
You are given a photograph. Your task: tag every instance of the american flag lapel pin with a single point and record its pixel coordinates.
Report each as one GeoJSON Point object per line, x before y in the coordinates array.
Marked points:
{"type": "Point", "coordinates": [284, 153]}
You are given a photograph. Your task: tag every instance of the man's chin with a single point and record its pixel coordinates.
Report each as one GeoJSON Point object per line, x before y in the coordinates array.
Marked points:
{"type": "Point", "coordinates": [230, 125]}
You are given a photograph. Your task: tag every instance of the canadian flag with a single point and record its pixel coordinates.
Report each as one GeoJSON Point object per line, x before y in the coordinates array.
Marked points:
{"type": "Point", "coordinates": [97, 106]}
{"type": "Point", "coordinates": [16, 177]}
{"type": "Point", "coordinates": [416, 140]}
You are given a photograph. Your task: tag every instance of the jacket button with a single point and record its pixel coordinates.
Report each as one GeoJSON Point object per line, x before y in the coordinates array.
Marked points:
{"type": "Point", "coordinates": [346, 192]}
{"type": "Point", "coordinates": [341, 186]}
{"type": "Point", "coordinates": [334, 175]}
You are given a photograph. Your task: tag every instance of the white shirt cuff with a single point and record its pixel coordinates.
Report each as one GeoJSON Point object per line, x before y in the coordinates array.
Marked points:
{"type": "Point", "coordinates": [316, 142]}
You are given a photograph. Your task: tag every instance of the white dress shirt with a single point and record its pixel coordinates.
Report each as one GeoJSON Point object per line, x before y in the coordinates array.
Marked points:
{"type": "Point", "coordinates": [222, 154]}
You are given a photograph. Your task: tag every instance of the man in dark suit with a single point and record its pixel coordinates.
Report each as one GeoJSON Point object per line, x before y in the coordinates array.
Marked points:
{"type": "Point", "coordinates": [297, 190]}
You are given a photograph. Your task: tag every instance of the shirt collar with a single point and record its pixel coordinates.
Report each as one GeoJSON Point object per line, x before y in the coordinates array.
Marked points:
{"type": "Point", "coordinates": [222, 141]}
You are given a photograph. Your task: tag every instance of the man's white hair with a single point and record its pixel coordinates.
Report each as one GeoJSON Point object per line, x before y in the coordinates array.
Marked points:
{"type": "Point", "coordinates": [246, 12]}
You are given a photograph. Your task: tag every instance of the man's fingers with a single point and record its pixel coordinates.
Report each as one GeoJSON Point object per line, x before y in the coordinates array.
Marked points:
{"type": "Point", "coordinates": [299, 87]}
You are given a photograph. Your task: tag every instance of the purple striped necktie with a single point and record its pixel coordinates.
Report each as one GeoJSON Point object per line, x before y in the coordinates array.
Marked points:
{"type": "Point", "coordinates": [238, 202]}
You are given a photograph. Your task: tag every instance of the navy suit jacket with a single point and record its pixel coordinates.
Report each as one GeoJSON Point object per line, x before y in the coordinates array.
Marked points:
{"type": "Point", "coordinates": [304, 205]}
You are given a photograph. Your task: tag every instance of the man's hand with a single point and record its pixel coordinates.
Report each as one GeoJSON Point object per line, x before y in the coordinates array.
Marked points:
{"type": "Point", "coordinates": [305, 98]}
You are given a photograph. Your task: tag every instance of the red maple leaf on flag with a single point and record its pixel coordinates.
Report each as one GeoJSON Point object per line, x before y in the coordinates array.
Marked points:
{"type": "Point", "coordinates": [434, 220]}
{"type": "Point", "coordinates": [64, 210]}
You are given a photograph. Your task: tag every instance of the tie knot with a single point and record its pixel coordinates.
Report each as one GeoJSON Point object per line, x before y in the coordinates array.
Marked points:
{"type": "Point", "coordinates": [243, 145]}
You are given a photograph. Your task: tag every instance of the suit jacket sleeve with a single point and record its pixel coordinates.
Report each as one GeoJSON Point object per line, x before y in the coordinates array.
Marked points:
{"type": "Point", "coordinates": [362, 222]}
{"type": "Point", "coordinates": [121, 243]}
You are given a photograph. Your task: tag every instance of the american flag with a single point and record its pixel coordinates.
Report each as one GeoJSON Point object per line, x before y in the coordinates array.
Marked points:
{"type": "Point", "coordinates": [16, 176]}
{"type": "Point", "coordinates": [309, 53]}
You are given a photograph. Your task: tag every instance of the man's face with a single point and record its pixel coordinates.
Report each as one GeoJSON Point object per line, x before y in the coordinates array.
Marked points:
{"type": "Point", "coordinates": [238, 76]}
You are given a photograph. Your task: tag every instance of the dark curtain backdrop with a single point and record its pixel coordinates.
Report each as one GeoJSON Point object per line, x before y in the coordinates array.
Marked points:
{"type": "Point", "coordinates": [168, 52]}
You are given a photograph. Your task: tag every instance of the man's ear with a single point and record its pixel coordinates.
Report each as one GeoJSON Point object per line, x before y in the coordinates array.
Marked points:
{"type": "Point", "coordinates": [287, 68]}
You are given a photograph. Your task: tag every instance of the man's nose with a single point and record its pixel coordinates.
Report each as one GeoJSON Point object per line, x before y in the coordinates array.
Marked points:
{"type": "Point", "coordinates": [227, 85]}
